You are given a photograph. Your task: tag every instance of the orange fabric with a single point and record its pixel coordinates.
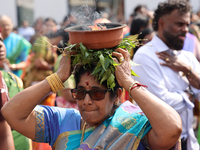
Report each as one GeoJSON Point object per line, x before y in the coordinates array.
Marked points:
{"type": "Point", "coordinates": [49, 100]}
{"type": "Point", "coordinates": [41, 146]}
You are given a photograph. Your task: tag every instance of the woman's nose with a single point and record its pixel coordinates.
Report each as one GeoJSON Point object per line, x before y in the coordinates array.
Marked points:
{"type": "Point", "coordinates": [87, 100]}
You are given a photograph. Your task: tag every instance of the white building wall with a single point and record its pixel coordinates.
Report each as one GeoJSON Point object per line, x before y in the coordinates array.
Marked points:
{"type": "Point", "coordinates": [56, 9]}
{"type": "Point", "coordinates": [196, 5]}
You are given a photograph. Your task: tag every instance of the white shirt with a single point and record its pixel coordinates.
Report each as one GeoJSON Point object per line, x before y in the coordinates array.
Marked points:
{"type": "Point", "coordinates": [167, 84]}
{"type": "Point", "coordinates": [27, 32]}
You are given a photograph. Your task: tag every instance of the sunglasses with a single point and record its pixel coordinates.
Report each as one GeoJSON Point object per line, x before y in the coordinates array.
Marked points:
{"type": "Point", "coordinates": [96, 94]}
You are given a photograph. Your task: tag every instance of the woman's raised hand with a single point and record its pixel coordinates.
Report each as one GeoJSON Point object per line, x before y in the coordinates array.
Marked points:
{"type": "Point", "coordinates": [123, 70]}
{"type": "Point", "coordinates": [64, 69]}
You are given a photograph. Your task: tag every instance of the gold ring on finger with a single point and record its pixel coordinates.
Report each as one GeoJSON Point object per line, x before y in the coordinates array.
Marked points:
{"type": "Point", "coordinates": [121, 59]}
{"type": "Point", "coordinates": [167, 59]}
{"type": "Point", "coordinates": [64, 54]}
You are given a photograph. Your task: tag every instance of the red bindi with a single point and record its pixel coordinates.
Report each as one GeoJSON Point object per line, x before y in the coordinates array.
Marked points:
{"type": "Point", "coordinates": [87, 83]}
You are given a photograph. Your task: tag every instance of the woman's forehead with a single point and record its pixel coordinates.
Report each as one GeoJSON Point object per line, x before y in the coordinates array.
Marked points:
{"type": "Point", "coordinates": [89, 80]}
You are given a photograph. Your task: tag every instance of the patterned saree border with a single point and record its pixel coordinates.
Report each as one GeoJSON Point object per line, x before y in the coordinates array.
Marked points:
{"type": "Point", "coordinates": [137, 138]}
{"type": "Point", "coordinates": [88, 147]}
{"type": "Point", "coordinates": [39, 115]}
{"type": "Point", "coordinates": [68, 133]}
{"type": "Point", "coordinates": [88, 144]}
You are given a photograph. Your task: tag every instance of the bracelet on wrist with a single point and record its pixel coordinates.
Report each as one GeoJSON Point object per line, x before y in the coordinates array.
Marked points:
{"type": "Point", "coordinates": [134, 85]}
{"type": "Point", "coordinates": [189, 73]}
{"type": "Point", "coordinates": [13, 66]}
{"type": "Point", "coordinates": [55, 82]}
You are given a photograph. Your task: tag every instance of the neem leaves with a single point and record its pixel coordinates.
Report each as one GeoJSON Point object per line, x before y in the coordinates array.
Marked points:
{"type": "Point", "coordinates": [105, 65]}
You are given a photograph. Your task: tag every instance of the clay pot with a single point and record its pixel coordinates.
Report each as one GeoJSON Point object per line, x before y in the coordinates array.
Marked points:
{"type": "Point", "coordinates": [96, 39]}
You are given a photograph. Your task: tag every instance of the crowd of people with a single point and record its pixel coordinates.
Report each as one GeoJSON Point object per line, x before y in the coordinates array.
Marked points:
{"type": "Point", "coordinates": [165, 115]}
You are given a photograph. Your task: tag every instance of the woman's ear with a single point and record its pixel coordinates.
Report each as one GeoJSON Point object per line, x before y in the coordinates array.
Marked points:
{"type": "Point", "coordinates": [119, 95]}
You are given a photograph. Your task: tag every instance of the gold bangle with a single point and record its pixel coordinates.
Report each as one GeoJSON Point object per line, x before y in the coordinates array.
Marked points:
{"type": "Point", "coordinates": [55, 82]}
{"type": "Point", "coordinates": [50, 83]}
{"type": "Point", "coordinates": [59, 84]}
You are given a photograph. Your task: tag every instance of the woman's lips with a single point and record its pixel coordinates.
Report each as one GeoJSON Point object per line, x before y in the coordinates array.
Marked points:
{"type": "Point", "coordinates": [89, 110]}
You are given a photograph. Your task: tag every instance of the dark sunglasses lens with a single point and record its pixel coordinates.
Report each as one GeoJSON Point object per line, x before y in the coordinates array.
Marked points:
{"type": "Point", "coordinates": [94, 94]}
{"type": "Point", "coordinates": [97, 94]}
{"type": "Point", "coordinates": [78, 94]}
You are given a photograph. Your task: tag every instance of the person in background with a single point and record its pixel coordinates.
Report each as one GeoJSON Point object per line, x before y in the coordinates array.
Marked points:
{"type": "Point", "coordinates": [6, 138]}
{"type": "Point", "coordinates": [38, 27]}
{"type": "Point", "coordinates": [15, 30]}
{"type": "Point", "coordinates": [192, 44]}
{"type": "Point", "coordinates": [17, 47]}
{"type": "Point", "coordinates": [140, 9]}
{"type": "Point", "coordinates": [139, 23]}
{"type": "Point", "coordinates": [144, 37]}
{"type": "Point", "coordinates": [194, 27]}
{"type": "Point", "coordinates": [26, 31]}
{"type": "Point", "coordinates": [42, 64]}
{"type": "Point", "coordinates": [45, 55]}
{"type": "Point", "coordinates": [14, 85]}
{"type": "Point", "coordinates": [198, 13]}
{"type": "Point", "coordinates": [68, 21]}
{"type": "Point", "coordinates": [171, 73]}
{"type": "Point", "coordinates": [194, 17]}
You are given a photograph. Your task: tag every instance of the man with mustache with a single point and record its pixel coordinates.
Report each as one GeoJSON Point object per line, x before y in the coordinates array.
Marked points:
{"type": "Point", "coordinates": [171, 73]}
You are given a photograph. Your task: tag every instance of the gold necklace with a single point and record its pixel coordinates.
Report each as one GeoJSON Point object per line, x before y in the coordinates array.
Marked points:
{"type": "Point", "coordinates": [83, 132]}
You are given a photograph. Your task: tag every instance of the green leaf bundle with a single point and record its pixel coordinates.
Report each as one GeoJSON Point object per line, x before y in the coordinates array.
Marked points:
{"type": "Point", "coordinates": [105, 65]}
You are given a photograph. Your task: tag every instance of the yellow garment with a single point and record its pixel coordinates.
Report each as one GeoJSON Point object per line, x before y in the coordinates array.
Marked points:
{"type": "Point", "coordinates": [42, 49]}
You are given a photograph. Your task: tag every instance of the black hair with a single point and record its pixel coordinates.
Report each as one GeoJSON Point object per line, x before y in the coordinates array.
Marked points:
{"type": "Point", "coordinates": [67, 17]}
{"type": "Point", "coordinates": [89, 68]}
{"type": "Point", "coordinates": [145, 32]}
{"type": "Point", "coordinates": [167, 7]}
{"type": "Point", "coordinates": [138, 7]}
{"type": "Point", "coordinates": [139, 21]}
{"type": "Point", "coordinates": [142, 34]}
{"type": "Point", "coordinates": [50, 19]}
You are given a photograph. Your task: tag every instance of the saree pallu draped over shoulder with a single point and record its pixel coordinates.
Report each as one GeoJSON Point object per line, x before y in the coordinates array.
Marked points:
{"type": "Point", "coordinates": [123, 130]}
{"type": "Point", "coordinates": [126, 130]}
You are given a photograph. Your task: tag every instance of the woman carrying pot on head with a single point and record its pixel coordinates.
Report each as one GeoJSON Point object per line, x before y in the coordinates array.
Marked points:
{"type": "Point", "coordinates": [101, 123]}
